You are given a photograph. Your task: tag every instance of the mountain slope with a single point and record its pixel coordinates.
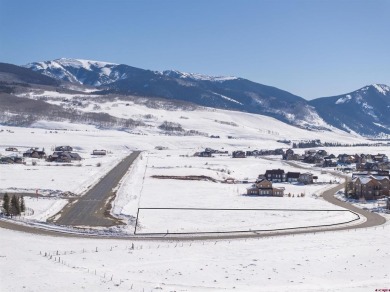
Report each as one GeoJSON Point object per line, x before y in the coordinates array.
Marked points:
{"type": "Point", "coordinates": [365, 111]}
{"type": "Point", "coordinates": [13, 73]}
{"type": "Point", "coordinates": [220, 92]}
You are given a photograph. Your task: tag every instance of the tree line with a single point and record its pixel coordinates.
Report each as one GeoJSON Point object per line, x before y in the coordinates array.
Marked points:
{"type": "Point", "coordinates": [13, 205]}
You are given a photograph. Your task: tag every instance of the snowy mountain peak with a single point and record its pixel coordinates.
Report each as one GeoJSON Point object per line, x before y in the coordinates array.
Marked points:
{"type": "Point", "coordinates": [79, 71]}
{"type": "Point", "coordinates": [382, 88]}
{"type": "Point", "coordinates": [68, 62]}
{"type": "Point", "coordinates": [196, 76]}
{"type": "Point", "coordinates": [81, 63]}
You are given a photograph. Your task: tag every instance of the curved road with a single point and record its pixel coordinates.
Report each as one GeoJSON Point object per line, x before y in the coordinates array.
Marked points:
{"type": "Point", "coordinates": [373, 219]}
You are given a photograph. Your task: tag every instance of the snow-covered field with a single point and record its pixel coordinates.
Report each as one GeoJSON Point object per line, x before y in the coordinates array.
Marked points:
{"type": "Point", "coordinates": [162, 221]}
{"type": "Point", "coordinates": [330, 261]}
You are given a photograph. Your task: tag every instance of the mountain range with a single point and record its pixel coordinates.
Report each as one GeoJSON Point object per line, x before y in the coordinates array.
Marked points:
{"type": "Point", "coordinates": [364, 111]}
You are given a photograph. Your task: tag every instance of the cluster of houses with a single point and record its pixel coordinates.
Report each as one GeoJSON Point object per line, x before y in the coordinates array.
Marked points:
{"type": "Point", "coordinates": [60, 154]}
{"type": "Point", "coordinates": [318, 157]}
{"type": "Point", "coordinates": [322, 159]}
{"type": "Point", "coordinates": [238, 154]}
{"type": "Point", "coordinates": [370, 182]}
{"type": "Point", "coordinates": [263, 185]}
{"type": "Point", "coordinates": [63, 154]}
{"type": "Point", "coordinates": [278, 151]}
{"type": "Point", "coordinates": [14, 159]}
{"type": "Point", "coordinates": [243, 154]}
{"type": "Point", "coordinates": [208, 152]}
{"type": "Point", "coordinates": [278, 175]}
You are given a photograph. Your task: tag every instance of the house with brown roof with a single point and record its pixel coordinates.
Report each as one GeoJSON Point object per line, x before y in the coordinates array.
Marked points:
{"type": "Point", "coordinates": [263, 187]}
{"type": "Point", "coordinates": [34, 153]}
{"type": "Point", "coordinates": [369, 187]}
{"type": "Point", "coordinates": [238, 154]}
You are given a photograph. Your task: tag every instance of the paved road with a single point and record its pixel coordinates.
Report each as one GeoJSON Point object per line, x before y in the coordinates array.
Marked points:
{"type": "Point", "coordinates": [92, 209]}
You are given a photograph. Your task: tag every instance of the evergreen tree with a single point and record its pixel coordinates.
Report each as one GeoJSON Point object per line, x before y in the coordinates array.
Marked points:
{"type": "Point", "coordinates": [6, 204]}
{"type": "Point", "coordinates": [22, 205]}
{"type": "Point", "coordinates": [15, 205]}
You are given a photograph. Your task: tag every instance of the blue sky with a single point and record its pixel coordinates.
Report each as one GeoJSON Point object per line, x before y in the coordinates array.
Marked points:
{"type": "Point", "coordinates": [310, 48]}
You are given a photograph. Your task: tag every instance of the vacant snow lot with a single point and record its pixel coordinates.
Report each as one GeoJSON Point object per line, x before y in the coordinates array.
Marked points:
{"type": "Point", "coordinates": [196, 221]}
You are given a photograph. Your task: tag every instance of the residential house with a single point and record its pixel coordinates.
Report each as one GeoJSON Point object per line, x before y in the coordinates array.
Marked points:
{"type": "Point", "coordinates": [288, 155]}
{"type": "Point", "coordinates": [63, 148]}
{"type": "Point", "coordinates": [310, 152]}
{"type": "Point", "coordinates": [369, 166]}
{"type": "Point", "coordinates": [263, 187]}
{"type": "Point", "coordinates": [322, 152]}
{"type": "Point", "coordinates": [318, 160]}
{"type": "Point", "coordinates": [211, 150]}
{"type": "Point", "coordinates": [292, 176]}
{"type": "Point", "coordinates": [329, 163]}
{"type": "Point", "coordinates": [306, 178]}
{"type": "Point", "coordinates": [275, 175]}
{"type": "Point", "coordinates": [11, 160]}
{"type": "Point", "coordinates": [99, 152]}
{"type": "Point", "coordinates": [309, 159]}
{"type": "Point", "coordinates": [13, 149]}
{"type": "Point", "coordinates": [6, 160]}
{"type": "Point", "coordinates": [344, 158]}
{"type": "Point", "coordinates": [369, 187]}
{"type": "Point", "coordinates": [278, 151]}
{"type": "Point", "coordinates": [64, 156]}
{"type": "Point", "coordinates": [205, 154]}
{"type": "Point", "coordinates": [380, 158]}
{"type": "Point", "coordinates": [238, 154]}
{"type": "Point", "coordinates": [161, 148]}
{"type": "Point", "coordinates": [330, 156]}
{"type": "Point", "coordinates": [34, 153]}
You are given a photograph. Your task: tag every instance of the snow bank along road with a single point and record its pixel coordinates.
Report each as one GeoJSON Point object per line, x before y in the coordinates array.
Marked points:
{"type": "Point", "coordinates": [91, 209]}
